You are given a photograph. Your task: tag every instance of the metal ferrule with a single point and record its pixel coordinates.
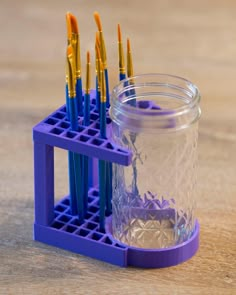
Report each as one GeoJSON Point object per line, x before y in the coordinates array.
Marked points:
{"type": "Point", "coordinates": [87, 88]}
{"type": "Point", "coordinates": [76, 48]}
{"type": "Point", "coordinates": [121, 58]}
{"type": "Point", "coordinates": [103, 87]}
{"type": "Point", "coordinates": [71, 78]}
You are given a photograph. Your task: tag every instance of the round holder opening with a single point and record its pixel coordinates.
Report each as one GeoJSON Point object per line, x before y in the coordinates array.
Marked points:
{"type": "Point", "coordinates": [158, 258]}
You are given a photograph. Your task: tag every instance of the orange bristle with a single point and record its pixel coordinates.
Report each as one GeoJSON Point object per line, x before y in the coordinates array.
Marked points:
{"type": "Point", "coordinates": [128, 45]}
{"type": "Point", "coordinates": [97, 39]}
{"type": "Point", "coordinates": [74, 24]}
{"type": "Point", "coordinates": [98, 51]}
{"type": "Point", "coordinates": [98, 21]}
{"type": "Point", "coordinates": [119, 33]}
{"type": "Point", "coordinates": [68, 25]}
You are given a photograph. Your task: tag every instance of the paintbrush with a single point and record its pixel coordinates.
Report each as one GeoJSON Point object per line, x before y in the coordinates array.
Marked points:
{"type": "Point", "coordinates": [102, 164]}
{"type": "Point", "coordinates": [98, 74]}
{"type": "Point", "coordinates": [72, 185]}
{"type": "Point", "coordinates": [75, 42]}
{"type": "Point", "coordinates": [130, 74]}
{"type": "Point", "coordinates": [74, 126]}
{"type": "Point", "coordinates": [122, 75]}
{"type": "Point", "coordinates": [86, 123]}
{"type": "Point", "coordinates": [103, 55]}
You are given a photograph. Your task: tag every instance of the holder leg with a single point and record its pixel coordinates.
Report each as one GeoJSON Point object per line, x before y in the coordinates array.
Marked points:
{"type": "Point", "coordinates": [43, 183]}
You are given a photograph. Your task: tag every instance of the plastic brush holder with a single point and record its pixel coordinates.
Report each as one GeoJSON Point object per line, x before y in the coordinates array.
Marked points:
{"type": "Point", "coordinates": [54, 223]}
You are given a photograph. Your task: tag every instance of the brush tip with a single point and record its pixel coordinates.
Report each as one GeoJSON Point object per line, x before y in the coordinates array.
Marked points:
{"type": "Point", "coordinates": [68, 24]}
{"type": "Point", "coordinates": [74, 24]}
{"type": "Point", "coordinates": [98, 20]}
{"type": "Point", "coordinates": [119, 33]}
{"type": "Point", "coordinates": [128, 45]}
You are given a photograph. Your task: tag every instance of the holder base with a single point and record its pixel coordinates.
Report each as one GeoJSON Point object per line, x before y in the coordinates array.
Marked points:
{"type": "Point", "coordinates": [86, 239]}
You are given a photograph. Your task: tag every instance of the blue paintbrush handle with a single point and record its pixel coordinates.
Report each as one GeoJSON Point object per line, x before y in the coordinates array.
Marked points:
{"type": "Point", "coordinates": [72, 186]}
{"type": "Point", "coordinates": [103, 124]}
{"type": "Point", "coordinates": [122, 76]}
{"type": "Point", "coordinates": [107, 87]}
{"type": "Point", "coordinates": [79, 96]}
{"type": "Point", "coordinates": [79, 187]}
{"type": "Point", "coordinates": [73, 114]}
{"type": "Point", "coordinates": [86, 109]}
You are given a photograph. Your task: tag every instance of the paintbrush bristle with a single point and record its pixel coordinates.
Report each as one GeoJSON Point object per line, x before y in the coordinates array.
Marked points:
{"type": "Point", "coordinates": [68, 25]}
{"type": "Point", "coordinates": [119, 33]}
{"type": "Point", "coordinates": [98, 21]}
{"type": "Point", "coordinates": [98, 51]}
{"type": "Point", "coordinates": [128, 45]}
{"type": "Point", "coordinates": [97, 39]}
{"type": "Point", "coordinates": [74, 24]}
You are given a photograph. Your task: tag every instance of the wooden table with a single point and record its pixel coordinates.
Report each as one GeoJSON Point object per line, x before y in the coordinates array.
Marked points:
{"type": "Point", "coordinates": [193, 39]}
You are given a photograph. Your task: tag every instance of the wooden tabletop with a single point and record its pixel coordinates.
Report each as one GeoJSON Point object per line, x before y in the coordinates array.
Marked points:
{"type": "Point", "coordinates": [192, 39]}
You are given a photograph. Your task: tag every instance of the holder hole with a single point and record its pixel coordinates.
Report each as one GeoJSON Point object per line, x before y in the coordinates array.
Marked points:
{"type": "Point", "coordinates": [60, 208]}
{"type": "Point", "coordinates": [94, 116]}
{"type": "Point", "coordinates": [56, 131]}
{"type": "Point", "coordinates": [97, 141]}
{"type": "Point", "coordinates": [95, 193]}
{"type": "Point", "coordinates": [90, 199]}
{"type": "Point", "coordinates": [83, 233]}
{"type": "Point", "coordinates": [57, 225]}
{"type": "Point", "coordinates": [70, 134]}
{"type": "Point", "coordinates": [51, 121]}
{"type": "Point", "coordinates": [108, 121]}
{"type": "Point", "coordinates": [88, 215]}
{"type": "Point", "coordinates": [92, 132]}
{"type": "Point", "coordinates": [109, 146]}
{"type": "Point", "coordinates": [93, 209]}
{"type": "Point", "coordinates": [70, 229]}
{"type": "Point", "coordinates": [59, 115]}
{"type": "Point", "coordinates": [64, 125]}
{"type": "Point", "coordinates": [107, 241]}
{"type": "Point", "coordinates": [96, 236]}
{"type": "Point", "coordinates": [84, 138]}
{"type": "Point", "coordinates": [64, 218]}
{"type": "Point", "coordinates": [91, 225]}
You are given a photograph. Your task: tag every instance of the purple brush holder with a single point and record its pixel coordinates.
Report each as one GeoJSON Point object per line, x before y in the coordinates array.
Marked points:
{"type": "Point", "coordinates": [56, 226]}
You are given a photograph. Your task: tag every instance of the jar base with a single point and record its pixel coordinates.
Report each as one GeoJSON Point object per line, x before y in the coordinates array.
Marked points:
{"type": "Point", "coordinates": [159, 258]}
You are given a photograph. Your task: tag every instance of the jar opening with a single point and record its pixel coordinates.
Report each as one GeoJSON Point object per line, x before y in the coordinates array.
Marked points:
{"type": "Point", "coordinates": [155, 101]}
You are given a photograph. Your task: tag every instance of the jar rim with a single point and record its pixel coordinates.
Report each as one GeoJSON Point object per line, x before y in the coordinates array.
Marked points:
{"type": "Point", "coordinates": [172, 82]}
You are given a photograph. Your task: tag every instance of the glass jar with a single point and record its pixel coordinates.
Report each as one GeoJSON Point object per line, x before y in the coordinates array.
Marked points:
{"type": "Point", "coordinates": [156, 117]}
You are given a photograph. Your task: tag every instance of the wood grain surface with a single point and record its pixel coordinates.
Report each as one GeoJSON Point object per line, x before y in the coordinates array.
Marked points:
{"type": "Point", "coordinates": [192, 39]}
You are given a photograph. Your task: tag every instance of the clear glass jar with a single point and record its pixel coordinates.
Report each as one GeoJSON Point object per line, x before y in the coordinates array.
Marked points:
{"type": "Point", "coordinates": [155, 116]}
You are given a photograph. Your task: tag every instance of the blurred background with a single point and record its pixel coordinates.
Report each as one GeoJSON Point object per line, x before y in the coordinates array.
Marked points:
{"type": "Point", "coordinates": [192, 39]}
